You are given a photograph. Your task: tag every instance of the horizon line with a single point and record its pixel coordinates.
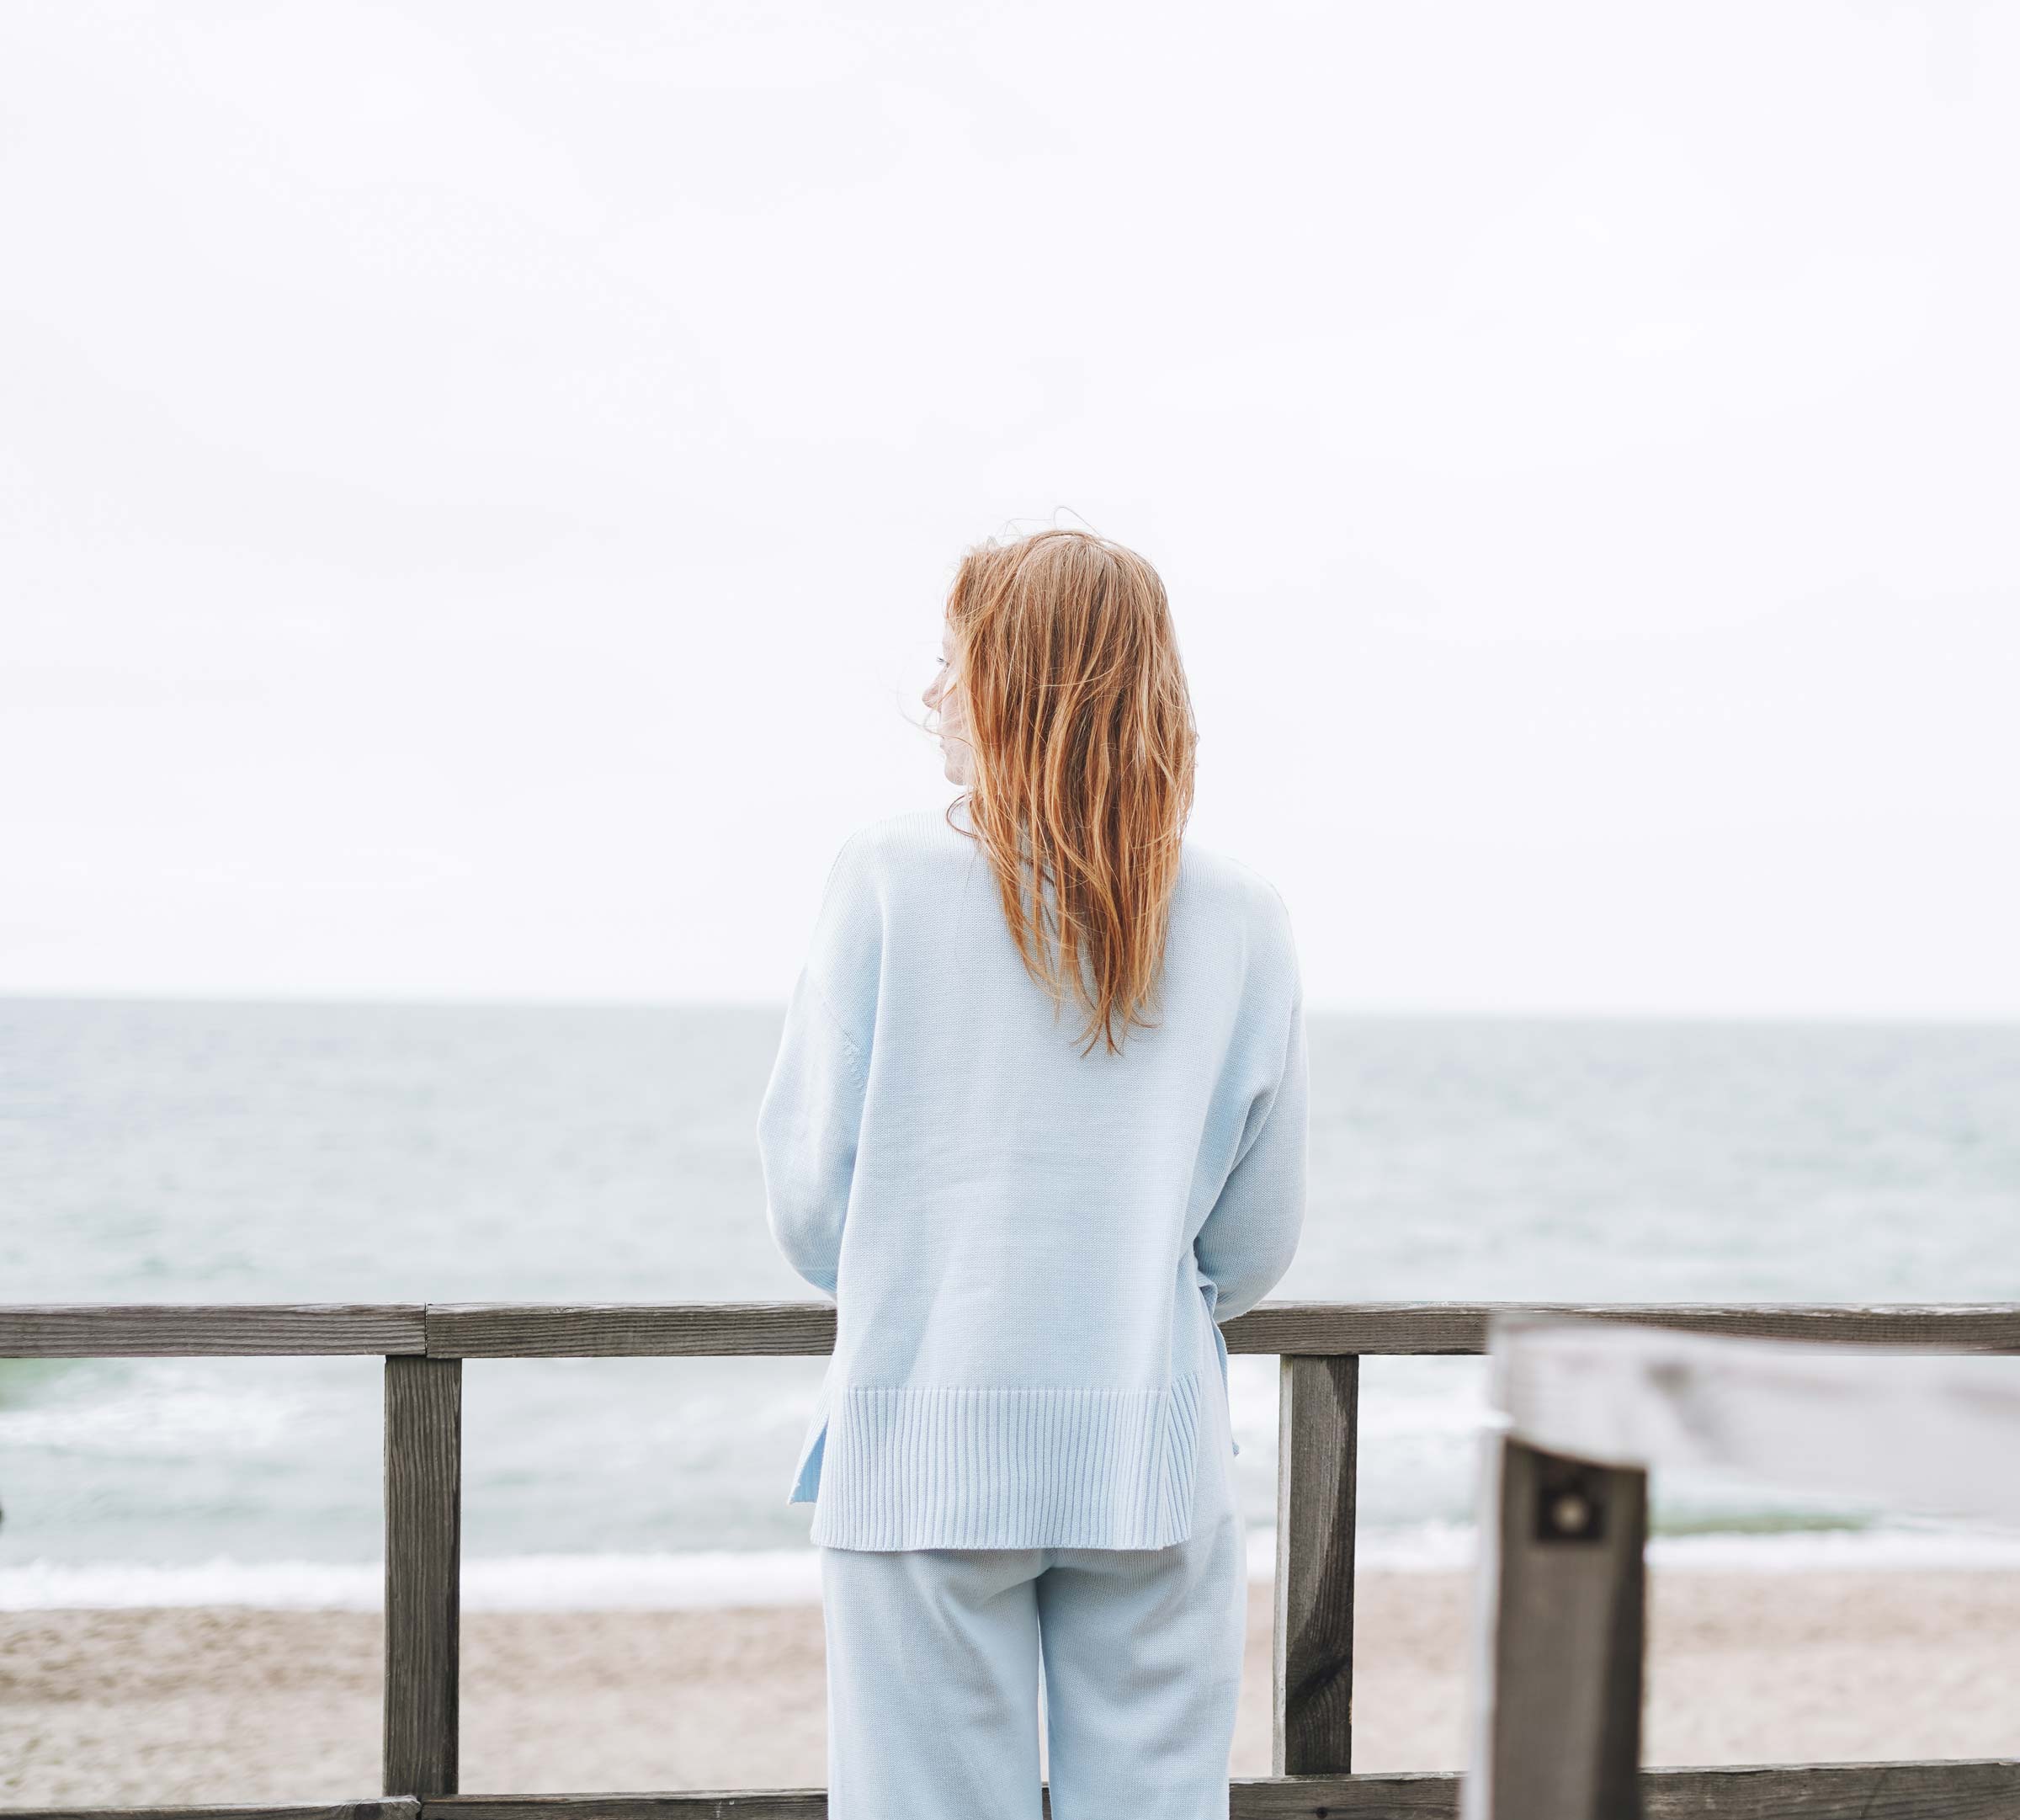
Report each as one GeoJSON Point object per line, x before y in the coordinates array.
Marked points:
{"type": "Point", "coordinates": [1371, 1010]}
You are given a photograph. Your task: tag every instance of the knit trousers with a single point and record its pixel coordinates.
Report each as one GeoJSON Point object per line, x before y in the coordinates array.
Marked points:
{"type": "Point", "coordinates": [934, 1659]}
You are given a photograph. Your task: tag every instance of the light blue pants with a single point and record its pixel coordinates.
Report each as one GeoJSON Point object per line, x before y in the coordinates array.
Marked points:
{"type": "Point", "coordinates": [934, 1658]}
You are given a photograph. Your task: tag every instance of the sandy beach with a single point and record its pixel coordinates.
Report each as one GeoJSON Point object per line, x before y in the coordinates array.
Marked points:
{"type": "Point", "coordinates": [224, 1703]}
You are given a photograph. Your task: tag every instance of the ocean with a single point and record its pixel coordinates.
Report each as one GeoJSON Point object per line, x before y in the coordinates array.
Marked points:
{"type": "Point", "coordinates": [175, 1151]}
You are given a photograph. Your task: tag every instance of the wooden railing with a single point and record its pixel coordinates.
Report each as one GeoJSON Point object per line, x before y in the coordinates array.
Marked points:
{"type": "Point", "coordinates": [1321, 1346]}
{"type": "Point", "coordinates": [1583, 1410]}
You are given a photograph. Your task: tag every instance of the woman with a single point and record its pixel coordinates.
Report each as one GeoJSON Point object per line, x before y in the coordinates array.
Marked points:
{"type": "Point", "coordinates": [1021, 1453]}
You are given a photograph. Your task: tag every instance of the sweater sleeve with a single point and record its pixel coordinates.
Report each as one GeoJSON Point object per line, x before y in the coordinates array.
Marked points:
{"type": "Point", "coordinates": [1248, 1242]}
{"type": "Point", "coordinates": [812, 1110]}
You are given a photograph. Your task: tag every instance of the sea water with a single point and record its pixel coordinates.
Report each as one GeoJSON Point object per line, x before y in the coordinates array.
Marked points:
{"type": "Point", "coordinates": [181, 1151]}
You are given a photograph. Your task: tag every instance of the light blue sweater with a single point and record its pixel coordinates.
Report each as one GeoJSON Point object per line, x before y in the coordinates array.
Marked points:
{"type": "Point", "coordinates": [1027, 1246]}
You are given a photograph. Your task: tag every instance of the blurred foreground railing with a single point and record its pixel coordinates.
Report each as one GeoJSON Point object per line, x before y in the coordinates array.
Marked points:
{"type": "Point", "coordinates": [1321, 1346]}
{"type": "Point", "coordinates": [1584, 1410]}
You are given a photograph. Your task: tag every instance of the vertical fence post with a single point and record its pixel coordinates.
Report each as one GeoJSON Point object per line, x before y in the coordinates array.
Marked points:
{"type": "Point", "coordinates": [423, 1565]}
{"type": "Point", "coordinates": [1317, 1422]}
{"type": "Point", "coordinates": [1561, 1590]}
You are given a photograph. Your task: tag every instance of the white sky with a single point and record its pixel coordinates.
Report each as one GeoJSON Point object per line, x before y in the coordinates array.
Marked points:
{"type": "Point", "coordinates": [478, 484]}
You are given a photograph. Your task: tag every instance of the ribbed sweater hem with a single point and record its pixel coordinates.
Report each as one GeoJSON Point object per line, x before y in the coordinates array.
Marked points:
{"type": "Point", "coordinates": [911, 1466]}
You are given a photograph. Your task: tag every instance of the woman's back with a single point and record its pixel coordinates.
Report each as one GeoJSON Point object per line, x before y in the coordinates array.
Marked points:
{"type": "Point", "coordinates": [1020, 1459]}
{"type": "Point", "coordinates": [1029, 1244]}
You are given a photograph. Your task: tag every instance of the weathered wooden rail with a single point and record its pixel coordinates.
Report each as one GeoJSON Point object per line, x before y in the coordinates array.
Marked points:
{"type": "Point", "coordinates": [1584, 1411]}
{"type": "Point", "coordinates": [1321, 1346]}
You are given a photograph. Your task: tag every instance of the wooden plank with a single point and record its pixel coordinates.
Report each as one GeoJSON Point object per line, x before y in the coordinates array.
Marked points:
{"type": "Point", "coordinates": [114, 1330]}
{"type": "Point", "coordinates": [614, 1330]}
{"type": "Point", "coordinates": [529, 1330]}
{"type": "Point", "coordinates": [1915, 1430]}
{"type": "Point", "coordinates": [1432, 1328]}
{"type": "Point", "coordinates": [1349, 1797]}
{"type": "Point", "coordinates": [1317, 1422]}
{"type": "Point", "coordinates": [423, 1573]}
{"type": "Point", "coordinates": [1836, 1792]}
{"type": "Point", "coordinates": [716, 1804]}
{"type": "Point", "coordinates": [394, 1808]}
{"type": "Point", "coordinates": [1962, 1790]}
{"type": "Point", "coordinates": [535, 1330]}
{"type": "Point", "coordinates": [1556, 1684]}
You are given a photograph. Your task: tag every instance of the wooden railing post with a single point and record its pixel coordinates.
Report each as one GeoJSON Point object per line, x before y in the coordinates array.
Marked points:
{"type": "Point", "coordinates": [1317, 1421]}
{"type": "Point", "coordinates": [1559, 1711]}
{"type": "Point", "coordinates": [423, 1568]}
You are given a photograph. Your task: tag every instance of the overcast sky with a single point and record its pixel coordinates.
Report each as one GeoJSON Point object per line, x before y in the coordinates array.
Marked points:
{"type": "Point", "coordinates": [478, 484]}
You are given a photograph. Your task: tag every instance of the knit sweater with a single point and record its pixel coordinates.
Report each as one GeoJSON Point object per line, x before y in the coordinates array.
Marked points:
{"type": "Point", "coordinates": [1027, 1246]}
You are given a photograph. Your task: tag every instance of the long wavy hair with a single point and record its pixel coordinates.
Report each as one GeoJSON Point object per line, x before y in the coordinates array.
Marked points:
{"type": "Point", "coordinates": [1082, 729]}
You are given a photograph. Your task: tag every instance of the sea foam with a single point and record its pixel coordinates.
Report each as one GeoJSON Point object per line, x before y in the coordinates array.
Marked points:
{"type": "Point", "coordinates": [728, 1579]}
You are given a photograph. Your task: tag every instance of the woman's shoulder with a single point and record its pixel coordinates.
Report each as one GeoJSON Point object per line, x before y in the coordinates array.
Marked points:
{"type": "Point", "coordinates": [881, 862]}
{"type": "Point", "coordinates": [1217, 876]}
{"type": "Point", "coordinates": [1237, 908]}
{"type": "Point", "coordinates": [889, 843]}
